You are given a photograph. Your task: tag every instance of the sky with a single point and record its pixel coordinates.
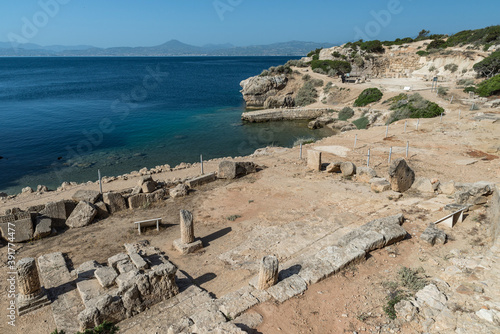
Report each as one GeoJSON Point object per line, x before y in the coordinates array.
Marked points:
{"type": "Point", "coordinates": [109, 23]}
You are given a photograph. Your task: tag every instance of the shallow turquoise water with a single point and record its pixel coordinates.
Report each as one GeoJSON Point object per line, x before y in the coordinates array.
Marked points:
{"type": "Point", "coordinates": [61, 119]}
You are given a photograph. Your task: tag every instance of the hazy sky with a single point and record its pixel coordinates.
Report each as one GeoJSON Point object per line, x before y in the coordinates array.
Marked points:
{"type": "Point", "coordinates": [106, 23]}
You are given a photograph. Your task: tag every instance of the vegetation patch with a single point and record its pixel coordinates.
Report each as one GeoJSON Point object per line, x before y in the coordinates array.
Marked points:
{"type": "Point", "coordinates": [368, 96]}
{"type": "Point", "coordinates": [423, 53]}
{"type": "Point", "coordinates": [233, 217]}
{"type": "Point", "coordinates": [489, 87]}
{"type": "Point", "coordinates": [276, 70]}
{"type": "Point", "coordinates": [314, 54]}
{"type": "Point", "coordinates": [489, 66]}
{"type": "Point", "coordinates": [374, 46]}
{"type": "Point", "coordinates": [451, 67]}
{"type": "Point", "coordinates": [413, 106]}
{"type": "Point", "coordinates": [361, 123]}
{"type": "Point", "coordinates": [346, 113]}
{"type": "Point", "coordinates": [306, 95]}
{"type": "Point", "coordinates": [332, 67]}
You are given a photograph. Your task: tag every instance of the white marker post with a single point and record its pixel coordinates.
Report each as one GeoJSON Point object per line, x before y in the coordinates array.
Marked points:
{"type": "Point", "coordinates": [407, 148]}
{"type": "Point", "coordinates": [201, 160]}
{"type": "Point", "coordinates": [100, 180]}
{"type": "Point", "coordinates": [390, 154]}
{"type": "Point", "coordinates": [441, 119]}
{"type": "Point", "coordinates": [386, 130]}
{"type": "Point", "coordinates": [406, 122]}
{"type": "Point", "coordinates": [300, 154]}
{"type": "Point", "coordinates": [418, 122]}
{"type": "Point", "coordinates": [355, 140]}
{"type": "Point", "coordinates": [368, 160]}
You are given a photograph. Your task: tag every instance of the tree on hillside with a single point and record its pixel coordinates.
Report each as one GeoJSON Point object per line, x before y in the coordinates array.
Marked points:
{"type": "Point", "coordinates": [423, 35]}
{"type": "Point", "coordinates": [489, 66]}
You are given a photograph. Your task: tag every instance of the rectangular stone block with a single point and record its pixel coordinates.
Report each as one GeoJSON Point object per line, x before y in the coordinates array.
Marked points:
{"type": "Point", "coordinates": [187, 248]}
{"type": "Point", "coordinates": [23, 230]}
{"type": "Point", "coordinates": [59, 212]}
{"type": "Point", "coordinates": [138, 261]}
{"type": "Point", "coordinates": [89, 289]}
{"type": "Point", "coordinates": [314, 160]}
{"type": "Point", "coordinates": [287, 288]}
{"type": "Point", "coordinates": [138, 201]}
{"type": "Point", "coordinates": [200, 180]}
{"type": "Point", "coordinates": [363, 239]}
{"type": "Point", "coordinates": [112, 261]}
{"type": "Point", "coordinates": [114, 201]}
{"type": "Point", "coordinates": [106, 276]}
{"type": "Point", "coordinates": [235, 303]}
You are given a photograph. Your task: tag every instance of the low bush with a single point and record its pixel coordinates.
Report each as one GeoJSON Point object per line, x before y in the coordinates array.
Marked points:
{"type": "Point", "coordinates": [317, 82]}
{"type": "Point", "coordinates": [339, 66]}
{"type": "Point", "coordinates": [414, 106]}
{"type": "Point", "coordinates": [306, 95]}
{"type": "Point", "coordinates": [361, 123]}
{"type": "Point", "coordinates": [368, 96]}
{"type": "Point", "coordinates": [443, 91]}
{"type": "Point", "coordinates": [275, 70]}
{"type": "Point", "coordinates": [423, 53]}
{"type": "Point", "coordinates": [489, 66]}
{"type": "Point", "coordinates": [346, 113]}
{"type": "Point", "coordinates": [104, 328]}
{"type": "Point", "coordinates": [489, 87]}
{"type": "Point", "coordinates": [296, 63]}
{"type": "Point", "coordinates": [451, 67]}
{"type": "Point", "coordinates": [465, 82]}
{"type": "Point", "coordinates": [437, 44]}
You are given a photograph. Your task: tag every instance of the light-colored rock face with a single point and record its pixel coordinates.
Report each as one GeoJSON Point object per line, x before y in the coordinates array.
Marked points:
{"type": "Point", "coordinates": [82, 215]}
{"type": "Point", "coordinates": [256, 90]}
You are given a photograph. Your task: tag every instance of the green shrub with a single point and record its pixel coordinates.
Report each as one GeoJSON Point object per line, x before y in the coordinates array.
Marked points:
{"type": "Point", "coordinates": [319, 70]}
{"type": "Point", "coordinates": [374, 46]}
{"type": "Point", "coordinates": [275, 70]}
{"type": "Point", "coordinates": [489, 66]}
{"type": "Point", "coordinates": [414, 106]}
{"type": "Point", "coordinates": [469, 89]}
{"type": "Point", "coordinates": [339, 66]}
{"type": "Point", "coordinates": [368, 96]}
{"type": "Point", "coordinates": [359, 61]}
{"type": "Point", "coordinates": [451, 67]}
{"type": "Point", "coordinates": [304, 141]}
{"type": "Point", "coordinates": [306, 95]}
{"type": "Point", "coordinates": [411, 278]}
{"type": "Point", "coordinates": [317, 82]}
{"type": "Point", "coordinates": [104, 328]}
{"type": "Point", "coordinates": [233, 217]}
{"type": "Point", "coordinates": [314, 53]}
{"type": "Point", "coordinates": [437, 44]}
{"type": "Point", "coordinates": [465, 82]}
{"type": "Point", "coordinates": [361, 123]}
{"type": "Point", "coordinates": [336, 54]}
{"type": "Point", "coordinates": [306, 77]}
{"type": "Point", "coordinates": [489, 87]}
{"type": "Point", "coordinates": [296, 63]}
{"type": "Point", "coordinates": [393, 298]}
{"type": "Point", "coordinates": [346, 113]}
{"type": "Point", "coordinates": [489, 35]}
{"type": "Point", "coordinates": [443, 91]}
{"type": "Point", "coordinates": [432, 68]}
{"type": "Point", "coordinates": [423, 53]}
{"type": "Point", "coordinates": [58, 332]}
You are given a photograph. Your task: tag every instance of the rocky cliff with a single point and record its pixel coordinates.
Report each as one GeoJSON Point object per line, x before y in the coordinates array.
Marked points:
{"type": "Point", "coordinates": [259, 89]}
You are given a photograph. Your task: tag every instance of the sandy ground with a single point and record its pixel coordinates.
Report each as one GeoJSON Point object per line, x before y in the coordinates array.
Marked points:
{"type": "Point", "coordinates": [283, 208]}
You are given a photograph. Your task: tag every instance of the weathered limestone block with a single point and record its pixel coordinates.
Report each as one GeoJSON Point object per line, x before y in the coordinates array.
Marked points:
{"type": "Point", "coordinates": [365, 174]}
{"type": "Point", "coordinates": [104, 308]}
{"type": "Point", "coordinates": [138, 261]}
{"type": "Point", "coordinates": [43, 227]}
{"type": "Point", "coordinates": [234, 169]}
{"type": "Point", "coordinates": [433, 235]}
{"type": "Point", "coordinates": [181, 190]}
{"type": "Point", "coordinates": [348, 168]}
{"type": "Point", "coordinates": [288, 288]}
{"type": "Point", "coordinates": [82, 215]}
{"type": "Point", "coordinates": [112, 261]}
{"type": "Point", "coordinates": [86, 196]}
{"type": "Point", "coordinates": [431, 297]}
{"type": "Point", "coordinates": [58, 212]}
{"type": "Point", "coordinates": [86, 270]}
{"type": "Point", "coordinates": [138, 201]}
{"type": "Point", "coordinates": [235, 303]}
{"type": "Point", "coordinates": [187, 243]}
{"type": "Point", "coordinates": [127, 279]}
{"type": "Point", "coordinates": [379, 185]}
{"type": "Point", "coordinates": [314, 160]}
{"type": "Point", "coordinates": [157, 195]}
{"type": "Point", "coordinates": [132, 301]}
{"type": "Point", "coordinates": [148, 187]}
{"type": "Point", "coordinates": [23, 230]}
{"type": "Point", "coordinates": [363, 239]}
{"type": "Point", "coordinates": [200, 180]}
{"type": "Point", "coordinates": [268, 274]}
{"type": "Point", "coordinates": [125, 266]}
{"type": "Point", "coordinates": [89, 289]}
{"type": "Point", "coordinates": [389, 227]}
{"type": "Point", "coordinates": [102, 210]}
{"type": "Point", "coordinates": [423, 185]}
{"type": "Point", "coordinates": [401, 175]}
{"type": "Point", "coordinates": [114, 201]}
{"type": "Point", "coordinates": [340, 257]}
{"type": "Point", "coordinates": [106, 276]}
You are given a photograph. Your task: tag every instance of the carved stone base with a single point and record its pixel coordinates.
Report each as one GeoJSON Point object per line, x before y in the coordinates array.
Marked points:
{"type": "Point", "coordinates": [27, 305]}
{"type": "Point", "coordinates": [187, 248]}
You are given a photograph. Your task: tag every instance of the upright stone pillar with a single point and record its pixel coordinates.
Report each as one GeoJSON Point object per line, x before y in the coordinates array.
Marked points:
{"type": "Point", "coordinates": [31, 295]}
{"type": "Point", "coordinates": [187, 243]}
{"type": "Point", "coordinates": [268, 275]}
{"type": "Point", "coordinates": [314, 160]}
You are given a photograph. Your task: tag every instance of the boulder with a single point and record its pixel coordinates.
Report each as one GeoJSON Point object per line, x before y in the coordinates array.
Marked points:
{"type": "Point", "coordinates": [86, 196]}
{"type": "Point", "coordinates": [41, 189]}
{"type": "Point", "coordinates": [138, 201]}
{"type": "Point", "coordinates": [423, 185]}
{"type": "Point", "coordinates": [348, 168]}
{"type": "Point", "coordinates": [58, 212]}
{"type": "Point", "coordinates": [447, 188]}
{"type": "Point", "coordinates": [23, 229]}
{"type": "Point", "coordinates": [365, 174]}
{"type": "Point", "coordinates": [82, 216]}
{"type": "Point", "coordinates": [114, 201]}
{"type": "Point", "coordinates": [27, 190]}
{"type": "Point", "coordinates": [257, 89]}
{"type": "Point", "coordinates": [233, 169]}
{"type": "Point", "coordinates": [143, 179]}
{"type": "Point", "coordinates": [467, 193]}
{"type": "Point", "coordinates": [148, 186]}
{"type": "Point", "coordinates": [433, 235]}
{"type": "Point", "coordinates": [379, 185]}
{"type": "Point", "coordinates": [43, 227]}
{"type": "Point", "coordinates": [401, 175]}
{"type": "Point", "coordinates": [102, 210]}
{"type": "Point", "coordinates": [136, 190]}
{"type": "Point", "coordinates": [334, 167]}
{"type": "Point", "coordinates": [180, 190]}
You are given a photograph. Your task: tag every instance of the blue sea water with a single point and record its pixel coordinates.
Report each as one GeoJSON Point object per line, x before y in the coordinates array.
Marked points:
{"type": "Point", "coordinates": [62, 119]}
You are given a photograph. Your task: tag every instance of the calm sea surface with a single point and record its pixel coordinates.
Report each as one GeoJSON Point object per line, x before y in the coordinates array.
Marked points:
{"type": "Point", "coordinates": [62, 119]}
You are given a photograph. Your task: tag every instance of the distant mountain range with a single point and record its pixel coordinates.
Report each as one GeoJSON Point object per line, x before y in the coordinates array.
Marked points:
{"type": "Point", "coordinates": [171, 48]}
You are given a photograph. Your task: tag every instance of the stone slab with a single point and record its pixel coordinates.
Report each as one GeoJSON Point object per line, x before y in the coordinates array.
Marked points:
{"type": "Point", "coordinates": [24, 307]}
{"type": "Point", "coordinates": [106, 276]}
{"type": "Point", "coordinates": [89, 289]}
{"type": "Point", "coordinates": [314, 160]}
{"type": "Point", "coordinates": [138, 261]}
{"type": "Point", "coordinates": [288, 288]}
{"type": "Point", "coordinates": [363, 239]}
{"type": "Point", "coordinates": [187, 248]}
{"type": "Point", "coordinates": [86, 270]}
{"type": "Point", "coordinates": [23, 230]}
{"type": "Point", "coordinates": [112, 261]}
{"type": "Point", "coordinates": [200, 180]}
{"type": "Point", "coordinates": [86, 195]}
{"type": "Point", "coordinates": [235, 303]}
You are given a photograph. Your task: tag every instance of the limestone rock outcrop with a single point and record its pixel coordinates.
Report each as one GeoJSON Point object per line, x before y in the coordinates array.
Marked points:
{"type": "Point", "coordinates": [256, 90]}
